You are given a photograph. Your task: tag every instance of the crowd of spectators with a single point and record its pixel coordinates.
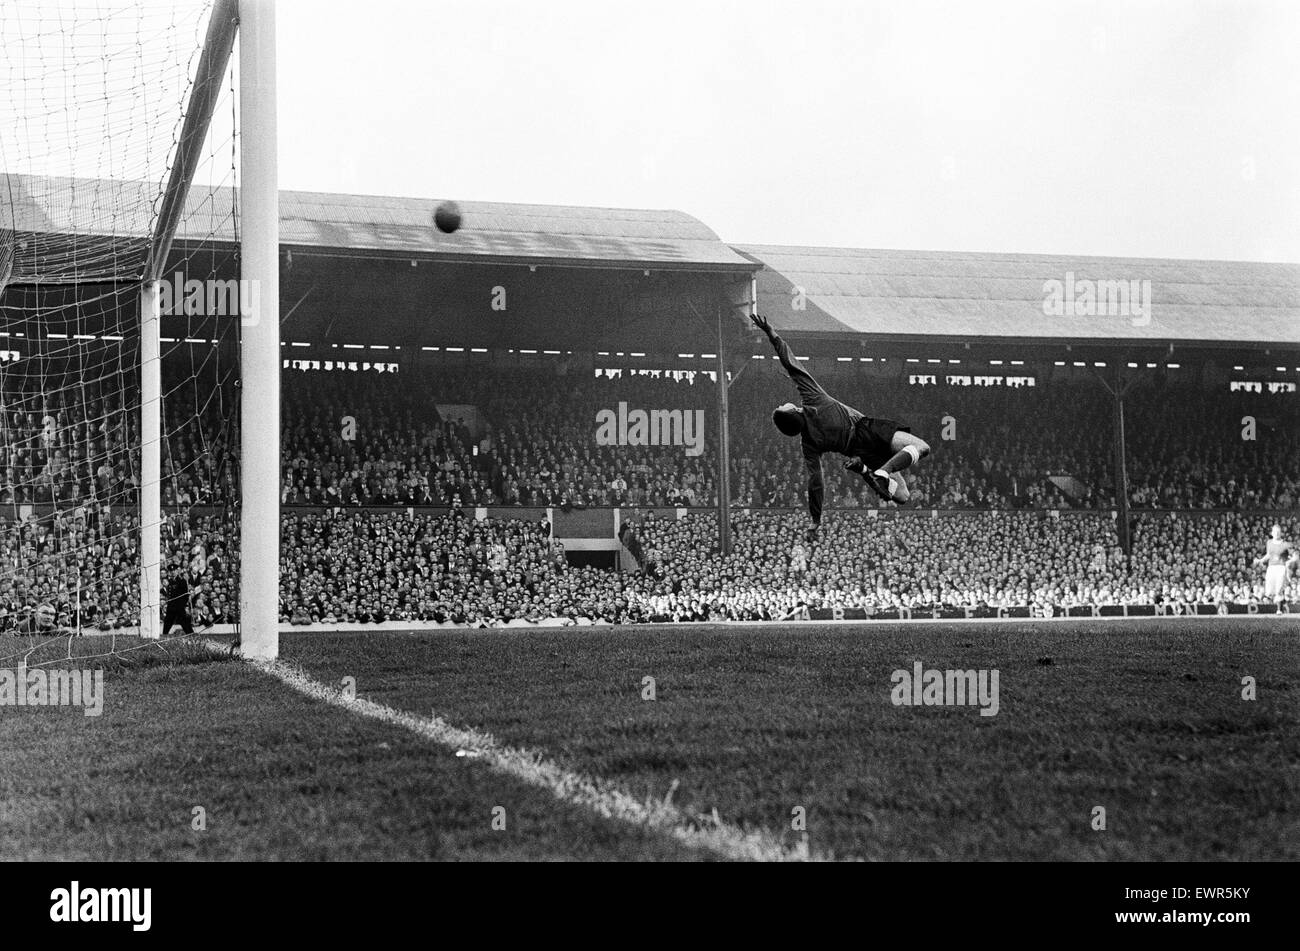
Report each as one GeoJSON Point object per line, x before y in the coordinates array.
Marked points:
{"type": "Point", "coordinates": [64, 444]}
{"type": "Point", "coordinates": [1005, 559]}
{"type": "Point", "coordinates": [996, 447]}
{"type": "Point", "coordinates": [85, 566]}
{"type": "Point", "coordinates": [373, 566]}
{"type": "Point", "coordinates": [70, 438]}
{"type": "Point", "coordinates": [359, 449]}
{"type": "Point", "coordinates": [376, 567]}
{"type": "Point", "coordinates": [367, 439]}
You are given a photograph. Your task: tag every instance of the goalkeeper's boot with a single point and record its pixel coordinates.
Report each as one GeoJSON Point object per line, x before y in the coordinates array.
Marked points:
{"type": "Point", "coordinates": [879, 486]}
{"type": "Point", "coordinates": [890, 486]}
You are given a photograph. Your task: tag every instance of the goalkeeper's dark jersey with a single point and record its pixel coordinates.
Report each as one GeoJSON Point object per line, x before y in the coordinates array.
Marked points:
{"type": "Point", "coordinates": [830, 424]}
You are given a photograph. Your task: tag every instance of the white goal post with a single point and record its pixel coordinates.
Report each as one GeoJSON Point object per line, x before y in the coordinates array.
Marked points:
{"type": "Point", "coordinates": [259, 581]}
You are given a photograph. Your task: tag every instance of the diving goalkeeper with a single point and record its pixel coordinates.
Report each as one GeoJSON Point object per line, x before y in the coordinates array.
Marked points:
{"type": "Point", "coordinates": [878, 449]}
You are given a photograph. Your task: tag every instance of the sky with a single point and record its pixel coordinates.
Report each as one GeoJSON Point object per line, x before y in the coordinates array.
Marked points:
{"type": "Point", "coordinates": [1136, 128]}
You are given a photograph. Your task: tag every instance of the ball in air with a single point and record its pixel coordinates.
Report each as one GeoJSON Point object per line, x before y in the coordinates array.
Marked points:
{"type": "Point", "coordinates": [447, 217]}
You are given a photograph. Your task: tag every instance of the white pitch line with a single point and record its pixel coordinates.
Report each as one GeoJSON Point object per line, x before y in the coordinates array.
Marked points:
{"type": "Point", "coordinates": [597, 795]}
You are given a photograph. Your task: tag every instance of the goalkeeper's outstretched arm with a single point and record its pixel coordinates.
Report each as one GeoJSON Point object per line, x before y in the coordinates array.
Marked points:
{"type": "Point", "coordinates": [809, 390]}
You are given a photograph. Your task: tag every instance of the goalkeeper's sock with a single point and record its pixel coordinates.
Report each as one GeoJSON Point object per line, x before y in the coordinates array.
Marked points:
{"type": "Point", "coordinates": [901, 460]}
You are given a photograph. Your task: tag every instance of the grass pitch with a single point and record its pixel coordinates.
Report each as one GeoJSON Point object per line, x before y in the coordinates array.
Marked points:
{"type": "Point", "coordinates": [762, 724]}
{"type": "Point", "coordinates": [277, 776]}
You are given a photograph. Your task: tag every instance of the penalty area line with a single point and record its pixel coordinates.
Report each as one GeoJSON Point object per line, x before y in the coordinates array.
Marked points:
{"type": "Point", "coordinates": [594, 794]}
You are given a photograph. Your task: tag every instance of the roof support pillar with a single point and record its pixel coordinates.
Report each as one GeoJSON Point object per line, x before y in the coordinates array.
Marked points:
{"type": "Point", "coordinates": [724, 449]}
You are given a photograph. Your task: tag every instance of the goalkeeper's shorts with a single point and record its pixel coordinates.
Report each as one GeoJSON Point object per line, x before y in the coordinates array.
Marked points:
{"type": "Point", "coordinates": [873, 439]}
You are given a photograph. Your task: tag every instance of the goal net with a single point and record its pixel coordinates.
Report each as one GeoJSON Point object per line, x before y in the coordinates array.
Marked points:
{"type": "Point", "coordinates": [117, 173]}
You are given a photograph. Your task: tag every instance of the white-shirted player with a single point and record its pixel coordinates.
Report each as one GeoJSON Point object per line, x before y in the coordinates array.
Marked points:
{"type": "Point", "coordinates": [1277, 553]}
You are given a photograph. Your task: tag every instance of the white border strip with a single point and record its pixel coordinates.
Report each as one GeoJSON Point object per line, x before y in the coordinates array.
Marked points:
{"type": "Point", "coordinates": [552, 624]}
{"type": "Point", "coordinates": [594, 794]}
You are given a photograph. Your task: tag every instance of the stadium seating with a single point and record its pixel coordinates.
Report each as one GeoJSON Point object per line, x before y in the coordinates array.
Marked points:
{"type": "Point", "coordinates": [69, 442]}
{"type": "Point", "coordinates": [353, 553]}
{"type": "Point", "coordinates": [372, 566]}
{"type": "Point", "coordinates": [1184, 448]}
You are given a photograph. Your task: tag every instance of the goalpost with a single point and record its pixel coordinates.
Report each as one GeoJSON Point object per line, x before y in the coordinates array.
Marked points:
{"type": "Point", "coordinates": [260, 349]}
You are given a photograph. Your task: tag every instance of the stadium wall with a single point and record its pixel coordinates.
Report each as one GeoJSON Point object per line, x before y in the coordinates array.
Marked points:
{"type": "Point", "coordinates": [1191, 611]}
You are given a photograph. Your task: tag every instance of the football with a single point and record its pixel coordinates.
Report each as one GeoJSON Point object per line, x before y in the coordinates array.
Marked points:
{"type": "Point", "coordinates": [447, 217]}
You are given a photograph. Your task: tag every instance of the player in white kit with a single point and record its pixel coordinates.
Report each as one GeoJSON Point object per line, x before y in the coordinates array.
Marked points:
{"type": "Point", "coordinates": [1277, 553]}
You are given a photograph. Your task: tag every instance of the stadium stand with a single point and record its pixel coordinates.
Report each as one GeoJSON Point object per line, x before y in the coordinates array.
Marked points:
{"type": "Point", "coordinates": [383, 474]}
{"type": "Point", "coordinates": [537, 446]}
{"type": "Point", "coordinates": [380, 526]}
{"type": "Point", "coordinates": [372, 566]}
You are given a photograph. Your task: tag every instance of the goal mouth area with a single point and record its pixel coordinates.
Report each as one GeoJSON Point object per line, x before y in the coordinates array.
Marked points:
{"type": "Point", "coordinates": [118, 425]}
